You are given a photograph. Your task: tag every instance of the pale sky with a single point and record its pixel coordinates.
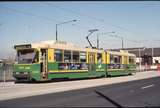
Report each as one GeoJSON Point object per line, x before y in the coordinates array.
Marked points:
{"type": "Point", "coordinates": [27, 22]}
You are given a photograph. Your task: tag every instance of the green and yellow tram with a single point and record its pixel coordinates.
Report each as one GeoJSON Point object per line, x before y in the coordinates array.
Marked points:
{"type": "Point", "coordinates": [47, 61]}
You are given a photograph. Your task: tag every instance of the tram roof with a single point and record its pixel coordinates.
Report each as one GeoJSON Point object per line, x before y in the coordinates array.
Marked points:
{"type": "Point", "coordinates": [121, 52]}
{"type": "Point", "coordinates": [69, 46]}
{"type": "Point", "coordinates": [60, 45]}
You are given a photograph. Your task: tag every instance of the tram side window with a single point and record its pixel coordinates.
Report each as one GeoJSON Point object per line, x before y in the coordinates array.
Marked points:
{"type": "Point", "coordinates": [131, 60]}
{"type": "Point", "coordinates": [36, 58]}
{"type": "Point", "coordinates": [99, 58]}
{"type": "Point", "coordinates": [67, 56]}
{"type": "Point", "coordinates": [58, 55]}
{"type": "Point", "coordinates": [75, 56]}
{"type": "Point", "coordinates": [82, 57]}
{"type": "Point", "coordinates": [117, 59]}
{"type": "Point", "coordinates": [111, 58]}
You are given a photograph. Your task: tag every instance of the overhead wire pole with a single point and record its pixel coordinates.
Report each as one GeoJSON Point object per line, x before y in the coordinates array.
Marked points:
{"type": "Point", "coordinates": [102, 34]}
{"type": "Point", "coordinates": [37, 16]}
{"type": "Point", "coordinates": [4, 73]}
{"type": "Point", "coordinates": [61, 24]}
{"type": "Point", "coordinates": [89, 16]}
{"type": "Point", "coordinates": [140, 59]}
{"type": "Point", "coordinates": [139, 53]}
{"type": "Point", "coordinates": [97, 41]}
{"type": "Point", "coordinates": [122, 42]}
{"type": "Point", "coordinates": [120, 37]}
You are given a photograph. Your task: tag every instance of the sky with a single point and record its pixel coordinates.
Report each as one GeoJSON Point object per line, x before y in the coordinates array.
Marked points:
{"type": "Point", "coordinates": [138, 22]}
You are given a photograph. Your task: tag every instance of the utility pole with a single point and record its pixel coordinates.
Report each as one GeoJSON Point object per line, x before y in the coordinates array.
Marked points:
{"type": "Point", "coordinates": [122, 42]}
{"type": "Point", "coordinates": [102, 34]}
{"type": "Point", "coordinates": [139, 59]}
{"type": "Point", "coordinates": [122, 39]}
{"type": "Point", "coordinates": [4, 74]}
{"type": "Point", "coordinates": [56, 33]}
{"type": "Point", "coordinates": [61, 24]}
{"type": "Point", "coordinates": [97, 41]}
{"type": "Point", "coordinates": [152, 54]}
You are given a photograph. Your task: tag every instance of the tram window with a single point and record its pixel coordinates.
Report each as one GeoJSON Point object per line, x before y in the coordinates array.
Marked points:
{"type": "Point", "coordinates": [82, 57]}
{"type": "Point", "coordinates": [36, 57]}
{"type": "Point", "coordinates": [99, 58]}
{"type": "Point", "coordinates": [58, 55]}
{"type": "Point", "coordinates": [131, 60]}
{"type": "Point", "coordinates": [27, 56]}
{"type": "Point", "coordinates": [111, 59]}
{"type": "Point", "coordinates": [75, 56]}
{"type": "Point", "coordinates": [117, 59]}
{"type": "Point", "coordinates": [67, 56]}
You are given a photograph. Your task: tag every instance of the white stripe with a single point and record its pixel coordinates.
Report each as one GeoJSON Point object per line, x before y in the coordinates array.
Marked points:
{"type": "Point", "coordinates": [147, 86]}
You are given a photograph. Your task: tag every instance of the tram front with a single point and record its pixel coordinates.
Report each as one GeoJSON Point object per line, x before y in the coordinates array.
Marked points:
{"type": "Point", "coordinates": [27, 65]}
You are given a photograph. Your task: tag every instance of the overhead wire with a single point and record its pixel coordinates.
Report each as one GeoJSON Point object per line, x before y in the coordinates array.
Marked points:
{"type": "Point", "coordinates": [40, 16]}
{"type": "Point", "coordinates": [56, 21]}
{"type": "Point", "coordinates": [89, 16]}
{"type": "Point", "coordinates": [30, 14]}
{"type": "Point", "coordinates": [80, 26]}
{"type": "Point", "coordinates": [52, 19]}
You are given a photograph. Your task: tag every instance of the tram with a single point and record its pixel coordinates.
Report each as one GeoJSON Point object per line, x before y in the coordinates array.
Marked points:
{"type": "Point", "coordinates": [50, 60]}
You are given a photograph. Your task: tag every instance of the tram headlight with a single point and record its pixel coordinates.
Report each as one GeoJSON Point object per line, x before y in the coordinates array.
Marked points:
{"type": "Point", "coordinates": [25, 72]}
{"type": "Point", "coordinates": [16, 73]}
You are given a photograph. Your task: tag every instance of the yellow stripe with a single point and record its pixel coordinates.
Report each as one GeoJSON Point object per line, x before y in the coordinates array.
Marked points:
{"type": "Point", "coordinates": [27, 64]}
{"type": "Point", "coordinates": [68, 70]}
{"type": "Point", "coordinates": [99, 69]}
{"type": "Point", "coordinates": [114, 69]}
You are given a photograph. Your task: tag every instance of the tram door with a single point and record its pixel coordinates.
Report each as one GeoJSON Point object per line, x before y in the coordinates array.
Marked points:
{"type": "Point", "coordinates": [91, 60]}
{"type": "Point", "coordinates": [44, 69]}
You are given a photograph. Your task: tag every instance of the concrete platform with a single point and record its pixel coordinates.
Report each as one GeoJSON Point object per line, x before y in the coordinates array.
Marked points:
{"type": "Point", "coordinates": [10, 90]}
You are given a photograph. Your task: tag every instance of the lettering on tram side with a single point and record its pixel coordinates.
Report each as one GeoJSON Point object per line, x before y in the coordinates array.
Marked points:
{"type": "Point", "coordinates": [35, 71]}
{"type": "Point", "coordinates": [27, 67]}
{"type": "Point", "coordinates": [24, 67]}
{"type": "Point", "coordinates": [21, 67]}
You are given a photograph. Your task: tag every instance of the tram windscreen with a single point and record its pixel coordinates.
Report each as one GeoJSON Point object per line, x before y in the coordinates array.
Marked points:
{"type": "Point", "coordinates": [26, 56]}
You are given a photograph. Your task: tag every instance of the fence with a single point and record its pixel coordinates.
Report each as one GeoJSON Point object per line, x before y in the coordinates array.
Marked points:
{"type": "Point", "coordinates": [8, 69]}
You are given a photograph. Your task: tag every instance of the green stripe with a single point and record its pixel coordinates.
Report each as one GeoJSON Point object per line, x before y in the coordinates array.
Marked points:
{"type": "Point", "coordinates": [33, 69]}
{"type": "Point", "coordinates": [76, 75]}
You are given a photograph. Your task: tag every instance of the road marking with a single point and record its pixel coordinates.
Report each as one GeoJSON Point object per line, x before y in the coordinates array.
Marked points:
{"type": "Point", "coordinates": [147, 86]}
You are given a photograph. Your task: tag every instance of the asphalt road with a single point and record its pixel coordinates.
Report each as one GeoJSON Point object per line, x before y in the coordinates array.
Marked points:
{"type": "Point", "coordinates": [141, 93]}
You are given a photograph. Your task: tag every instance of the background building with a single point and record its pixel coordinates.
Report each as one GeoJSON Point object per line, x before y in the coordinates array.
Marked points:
{"type": "Point", "coordinates": [145, 56]}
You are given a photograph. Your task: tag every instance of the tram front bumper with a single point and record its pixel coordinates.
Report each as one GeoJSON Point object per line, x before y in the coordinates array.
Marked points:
{"type": "Point", "coordinates": [21, 75]}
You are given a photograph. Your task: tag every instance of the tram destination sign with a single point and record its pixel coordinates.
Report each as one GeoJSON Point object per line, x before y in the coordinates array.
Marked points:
{"type": "Point", "coordinates": [22, 46]}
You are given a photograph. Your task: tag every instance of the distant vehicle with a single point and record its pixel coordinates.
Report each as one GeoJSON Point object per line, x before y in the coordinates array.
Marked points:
{"type": "Point", "coordinates": [47, 61]}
